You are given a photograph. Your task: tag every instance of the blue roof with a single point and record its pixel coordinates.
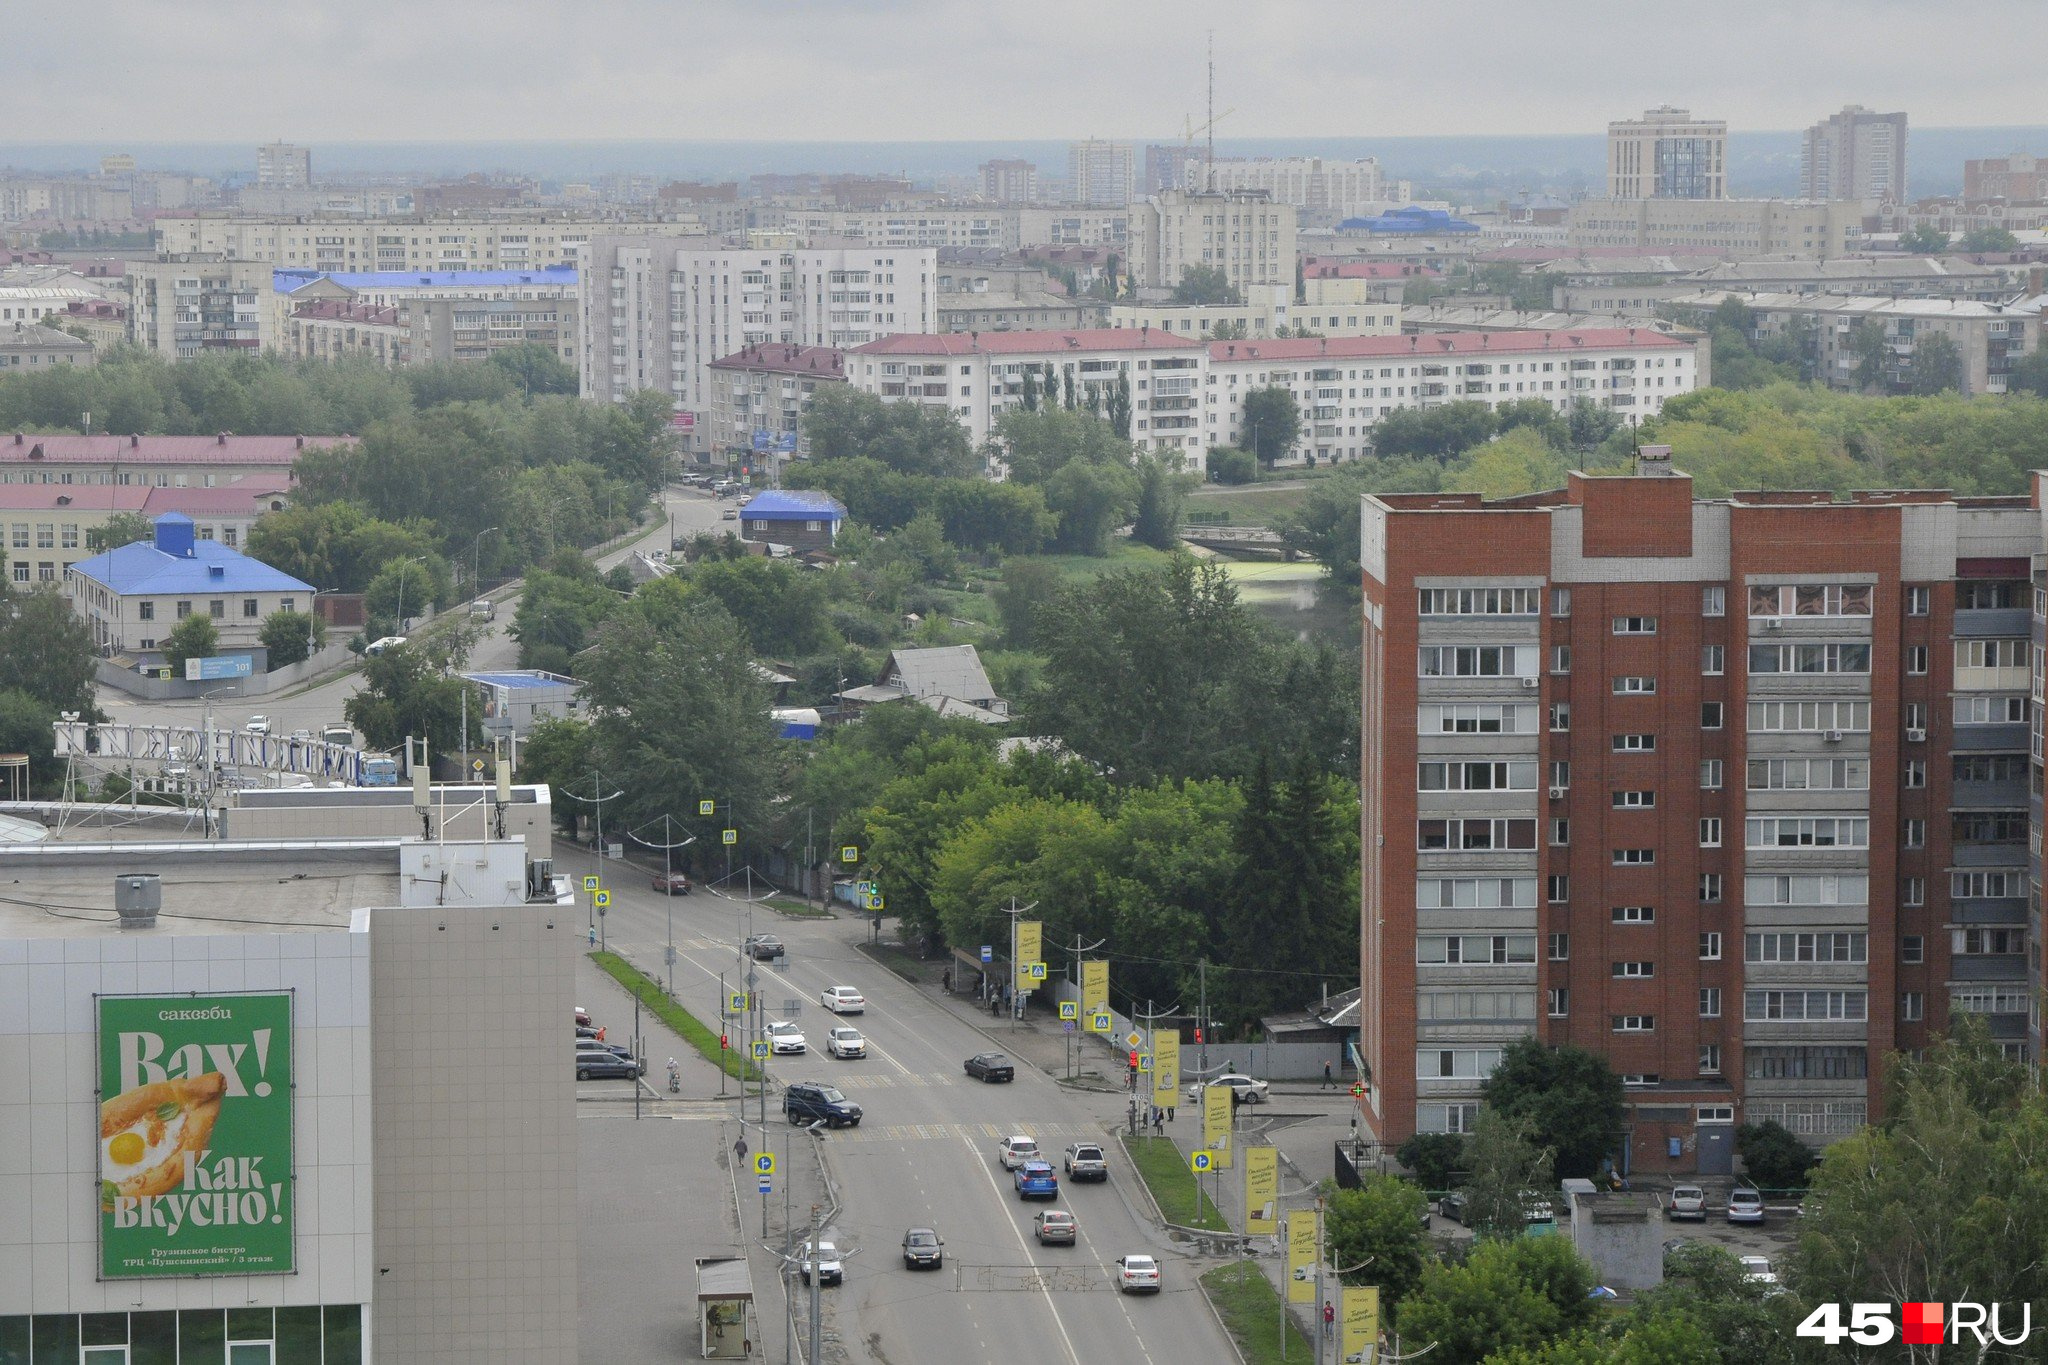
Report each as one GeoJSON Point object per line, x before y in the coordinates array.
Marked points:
{"type": "Point", "coordinates": [1409, 218]}
{"type": "Point", "coordinates": [794, 504]}
{"type": "Point", "coordinates": [287, 280]}
{"type": "Point", "coordinates": [141, 569]}
{"type": "Point", "coordinates": [521, 680]}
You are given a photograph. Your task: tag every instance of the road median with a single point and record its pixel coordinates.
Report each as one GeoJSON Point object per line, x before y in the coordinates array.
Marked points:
{"type": "Point", "coordinates": [1164, 1170]}
{"type": "Point", "coordinates": [663, 1006]}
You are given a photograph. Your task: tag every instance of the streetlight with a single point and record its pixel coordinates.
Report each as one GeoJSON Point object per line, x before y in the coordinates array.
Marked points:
{"type": "Point", "coordinates": [402, 566]}
{"type": "Point", "coordinates": [476, 581]}
{"type": "Point", "coordinates": [668, 891]}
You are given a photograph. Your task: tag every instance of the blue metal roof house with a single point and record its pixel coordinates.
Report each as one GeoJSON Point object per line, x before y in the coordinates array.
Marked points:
{"type": "Point", "coordinates": [133, 596]}
{"type": "Point", "coordinates": [800, 518]}
{"type": "Point", "coordinates": [1412, 220]}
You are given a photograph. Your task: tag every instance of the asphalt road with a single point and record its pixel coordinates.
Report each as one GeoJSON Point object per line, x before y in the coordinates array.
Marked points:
{"type": "Point", "coordinates": [690, 510]}
{"type": "Point", "coordinates": [924, 1155]}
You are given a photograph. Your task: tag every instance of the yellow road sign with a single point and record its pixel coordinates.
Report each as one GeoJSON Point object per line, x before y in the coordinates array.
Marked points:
{"type": "Point", "coordinates": [730, 836]}
{"type": "Point", "coordinates": [1199, 1162]}
{"type": "Point", "coordinates": [589, 881]}
{"type": "Point", "coordinates": [707, 807]}
{"type": "Point", "coordinates": [760, 1052]}
{"type": "Point", "coordinates": [849, 853]}
{"type": "Point", "coordinates": [1069, 1010]}
{"type": "Point", "coordinates": [736, 1002]}
{"type": "Point", "coordinates": [764, 1163]}
{"type": "Point", "coordinates": [1100, 1022]}
{"type": "Point", "coordinates": [600, 899]}
{"type": "Point", "coordinates": [1134, 1039]}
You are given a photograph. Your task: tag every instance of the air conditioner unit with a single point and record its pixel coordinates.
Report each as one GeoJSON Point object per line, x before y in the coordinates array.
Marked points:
{"type": "Point", "coordinates": [1557, 793]}
{"type": "Point", "coordinates": [1531, 683]}
{"type": "Point", "coordinates": [1916, 736]}
{"type": "Point", "coordinates": [1834, 736]}
{"type": "Point", "coordinates": [1773, 623]}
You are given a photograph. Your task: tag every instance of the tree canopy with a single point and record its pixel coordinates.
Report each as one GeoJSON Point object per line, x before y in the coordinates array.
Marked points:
{"type": "Point", "coordinates": [1570, 1097]}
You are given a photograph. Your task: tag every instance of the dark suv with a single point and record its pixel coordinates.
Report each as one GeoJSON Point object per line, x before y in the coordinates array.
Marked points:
{"type": "Point", "coordinates": [808, 1101]}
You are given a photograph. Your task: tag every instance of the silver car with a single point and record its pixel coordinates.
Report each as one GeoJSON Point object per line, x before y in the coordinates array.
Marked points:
{"type": "Point", "coordinates": [1687, 1201]}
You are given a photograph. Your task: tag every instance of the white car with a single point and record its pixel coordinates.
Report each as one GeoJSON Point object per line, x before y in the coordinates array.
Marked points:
{"type": "Point", "coordinates": [1248, 1091]}
{"type": "Point", "coordinates": [846, 1042]}
{"type": "Point", "coordinates": [1015, 1151]}
{"type": "Point", "coordinates": [784, 1037]}
{"type": "Point", "coordinates": [1757, 1270]}
{"type": "Point", "coordinates": [1137, 1275]}
{"type": "Point", "coordinates": [258, 725]}
{"type": "Point", "coordinates": [842, 1000]}
{"type": "Point", "coordinates": [824, 1258]}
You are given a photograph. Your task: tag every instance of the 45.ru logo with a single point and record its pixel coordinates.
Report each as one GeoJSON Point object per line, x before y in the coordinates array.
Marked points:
{"type": "Point", "coordinates": [1918, 1324]}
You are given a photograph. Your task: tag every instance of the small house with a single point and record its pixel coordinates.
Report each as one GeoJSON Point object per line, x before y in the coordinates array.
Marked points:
{"type": "Point", "coordinates": [801, 518]}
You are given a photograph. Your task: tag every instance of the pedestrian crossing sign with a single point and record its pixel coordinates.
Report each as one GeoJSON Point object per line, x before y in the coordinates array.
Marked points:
{"type": "Point", "coordinates": [1069, 1010]}
{"type": "Point", "coordinates": [760, 1052]}
{"type": "Point", "coordinates": [730, 836]}
{"type": "Point", "coordinates": [707, 807]}
{"type": "Point", "coordinates": [589, 881]}
{"type": "Point", "coordinates": [849, 853]}
{"type": "Point", "coordinates": [1100, 1022]}
{"type": "Point", "coordinates": [1144, 1061]}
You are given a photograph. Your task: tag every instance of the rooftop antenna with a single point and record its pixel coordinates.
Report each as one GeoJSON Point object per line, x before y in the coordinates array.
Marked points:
{"type": "Point", "coordinates": [1209, 164]}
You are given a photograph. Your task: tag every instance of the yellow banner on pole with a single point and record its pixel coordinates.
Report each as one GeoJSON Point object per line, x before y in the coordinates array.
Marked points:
{"type": "Point", "coordinates": [1216, 1100]}
{"type": "Point", "coordinates": [1358, 1312]}
{"type": "Point", "coordinates": [1094, 990]}
{"type": "Point", "coordinates": [1165, 1068]}
{"type": "Point", "coordinates": [1030, 949]}
{"type": "Point", "coordinates": [1261, 1189]}
{"type": "Point", "coordinates": [1301, 1256]}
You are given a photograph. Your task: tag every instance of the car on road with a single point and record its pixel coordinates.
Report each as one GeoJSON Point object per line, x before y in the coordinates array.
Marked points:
{"type": "Point", "coordinates": [1137, 1275]}
{"type": "Point", "coordinates": [672, 883]}
{"type": "Point", "coordinates": [730, 514]}
{"type": "Point", "coordinates": [1746, 1205]}
{"type": "Point", "coordinates": [1758, 1271]}
{"type": "Point", "coordinates": [302, 736]}
{"type": "Point", "coordinates": [1015, 1151]}
{"type": "Point", "coordinates": [1085, 1161]}
{"type": "Point", "coordinates": [812, 1101]}
{"type": "Point", "coordinates": [825, 1257]}
{"type": "Point", "coordinates": [1244, 1089]}
{"type": "Point", "coordinates": [785, 1037]}
{"type": "Point", "coordinates": [1035, 1180]}
{"type": "Point", "coordinates": [842, 1000]}
{"type": "Point", "coordinates": [594, 1066]}
{"type": "Point", "coordinates": [1052, 1226]}
{"type": "Point", "coordinates": [257, 725]}
{"type": "Point", "coordinates": [1452, 1206]}
{"type": "Point", "coordinates": [1687, 1201]}
{"type": "Point", "coordinates": [762, 947]}
{"type": "Point", "coordinates": [846, 1042]}
{"type": "Point", "coordinates": [923, 1250]}
{"type": "Point", "coordinates": [990, 1067]}
{"type": "Point", "coordinates": [388, 642]}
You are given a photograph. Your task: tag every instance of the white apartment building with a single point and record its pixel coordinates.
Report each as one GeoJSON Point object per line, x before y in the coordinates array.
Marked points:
{"type": "Point", "coordinates": [1244, 233]}
{"type": "Point", "coordinates": [1330, 190]}
{"type": "Point", "coordinates": [1004, 227]}
{"type": "Point", "coordinates": [1738, 228]}
{"type": "Point", "coordinates": [656, 311]}
{"type": "Point", "coordinates": [1855, 154]}
{"type": "Point", "coordinates": [340, 245]}
{"type": "Point", "coordinates": [1101, 172]}
{"type": "Point", "coordinates": [1667, 154]}
{"type": "Point", "coordinates": [446, 315]}
{"type": "Point", "coordinates": [282, 166]}
{"type": "Point", "coordinates": [1008, 180]}
{"type": "Point", "coordinates": [185, 305]}
{"type": "Point", "coordinates": [1266, 311]}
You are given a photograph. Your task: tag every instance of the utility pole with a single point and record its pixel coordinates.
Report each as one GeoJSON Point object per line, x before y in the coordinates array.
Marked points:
{"type": "Point", "coordinates": [668, 868]}
{"type": "Point", "coordinates": [817, 1279]}
{"type": "Point", "coordinates": [1016, 996]}
{"type": "Point", "coordinates": [1073, 970]}
{"type": "Point", "coordinates": [1202, 1016]}
{"type": "Point", "coordinates": [1322, 1325]}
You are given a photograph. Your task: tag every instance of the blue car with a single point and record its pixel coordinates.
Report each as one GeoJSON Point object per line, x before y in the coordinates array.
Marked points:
{"type": "Point", "coordinates": [1035, 1180]}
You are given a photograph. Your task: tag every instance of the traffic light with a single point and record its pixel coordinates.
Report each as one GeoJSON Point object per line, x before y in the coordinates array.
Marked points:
{"type": "Point", "coordinates": [1134, 1059]}
{"type": "Point", "coordinates": [1198, 1033]}
{"type": "Point", "coordinates": [723, 1042]}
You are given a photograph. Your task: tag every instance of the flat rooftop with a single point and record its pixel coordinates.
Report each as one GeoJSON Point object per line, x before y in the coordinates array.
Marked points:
{"type": "Point", "coordinates": [66, 890]}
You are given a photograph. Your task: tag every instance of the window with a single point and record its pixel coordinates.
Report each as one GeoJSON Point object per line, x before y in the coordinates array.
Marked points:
{"type": "Point", "coordinates": [1446, 1118]}
{"type": "Point", "coordinates": [1848, 717]}
{"type": "Point", "coordinates": [1714, 601]}
{"type": "Point", "coordinates": [1817, 888]}
{"type": "Point", "coordinates": [1635, 685]}
{"type": "Point", "coordinates": [1710, 715]}
{"type": "Point", "coordinates": [1913, 949]}
{"type": "Point", "coordinates": [1988, 768]}
{"type": "Point", "coordinates": [1560, 601]}
{"type": "Point", "coordinates": [1991, 653]}
{"type": "Point", "coordinates": [1478, 601]}
{"type": "Point", "coordinates": [145, 611]}
{"type": "Point", "coordinates": [1475, 893]}
{"type": "Point", "coordinates": [1808, 831]}
{"type": "Point", "coordinates": [1911, 1004]}
{"type": "Point", "coordinates": [1710, 774]}
{"type": "Point", "coordinates": [1710, 888]}
{"type": "Point", "coordinates": [1817, 1005]}
{"type": "Point", "coordinates": [1481, 950]}
{"type": "Point", "coordinates": [1635, 1023]}
{"type": "Point", "coordinates": [1475, 777]}
{"type": "Point", "coordinates": [1625, 971]}
{"type": "Point", "coordinates": [1635, 800]}
{"type": "Point", "coordinates": [1560, 658]}
{"type": "Point", "coordinates": [46, 535]}
{"type": "Point", "coordinates": [1557, 1002]}
{"type": "Point", "coordinates": [1484, 718]}
{"type": "Point", "coordinates": [1560, 715]}
{"type": "Point", "coordinates": [1710, 1059]}
{"type": "Point", "coordinates": [217, 608]}
{"type": "Point", "coordinates": [1710, 1002]}
{"type": "Point", "coordinates": [1916, 658]}
{"type": "Point", "coordinates": [1913, 891]}
{"type": "Point", "coordinates": [1560, 833]}
{"type": "Point", "coordinates": [184, 610]}
{"type": "Point", "coordinates": [1475, 661]}
{"type": "Point", "coordinates": [1710, 832]}
{"type": "Point", "coordinates": [1919, 601]}
{"type": "Point", "coordinates": [1809, 658]}
{"type": "Point", "coordinates": [1635, 625]}
{"type": "Point", "coordinates": [1840, 946]}
{"type": "Point", "coordinates": [1987, 942]}
{"type": "Point", "coordinates": [1444, 1006]}
{"type": "Point", "coordinates": [1987, 710]}
{"type": "Point", "coordinates": [1916, 717]}
{"type": "Point", "coordinates": [1635, 857]}
{"type": "Point", "coordinates": [1560, 948]}
{"type": "Point", "coordinates": [248, 608]}
{"type": "Point", "coordinates": [1990, 595]}
{"type": "Point", "coordinates": [1809, 599]}
{"type": "Point", "coordinates": [1634, 744]}
{"type": "Point", "coordinates": [1560, 773]}
{"type": "Point", "coordinates": [1991, 1000]}
{"type": "Point", "coordinates": [1808, 774]}
{"type": "Point", "coordinates": [1558, 888]}
{"type": "Point", "coordinates": [1988, 827]}
{"type": "Point", "coordinates": [1433, 836]}
{"type": "Point", "coordinates": [1632, 914]}
{"type": "Point", "coordinates": [1825, 1063]}
{"type": "Point", "coordinates": [1710, 947]}
{"type": "Point", "coordinates": [1455, 1064]}
{"type": "Point", "coordinates": [1713, 659]}
{"type": "Point", "coordinates": [1913, 835]}
{"type": "Point", "coordinates": [1915, 771]}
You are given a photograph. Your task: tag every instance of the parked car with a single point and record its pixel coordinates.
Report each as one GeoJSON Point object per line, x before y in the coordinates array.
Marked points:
{"type": "Point", "coordinates": [258, 725]}
{"type": "Point", "coordinates": [582, 1017]}
{"type": "Point", "coordinates": [1085, 1161]}
{"type": "Point", "coordinates": [593, 1066]}
{"type": "Point", "coordinates": [594, 1045]}
{"type": "Point", "coordinates": [1054, 1226]}
{"type": "Point", "coordinates": [1687, 1201]}
{"type": "Point", "coordinates": [1244, 1090]}
{"type": "Point", "coordinates": [809, 1101]}
{"type": "Point", "coordinates": [846, 1042]}
{"type": "Point", "coordinates": [302, 737]}
{"type": "Point", "coordinates": [1137, 1275]}
{"type": "Point", "coordinates": [990, 1067]}
{"type": "Point", "coordinates": [923, 1250]}
{"type": "Point", "coordinates": [1035, 1180]}
{"type": "Point", "coordinates": [1746, 1206]}
{"type": "Point", "coordinates": [1452, 1206]}
{"type": "Point", "coordinates": [842, 1000]}
{"type": "Point", "coordinates": [672, 883]}
{"type": "Point", "coordinates": [785, 1037]}
{"type": "Point", "coordinates": [1758, 1271]}
{"type": "Point", "coordinates": [389, 642]}
{"type": "Point", "coordinates": [1015, 1151]}
{"type": "Point", "coordinates": [825, 1257]}
{"type": "Point", "coordinates": [762, 947]}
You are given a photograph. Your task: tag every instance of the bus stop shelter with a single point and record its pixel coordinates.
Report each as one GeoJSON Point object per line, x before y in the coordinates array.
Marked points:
{"type": "Point", "coordinates": [725, 1308]}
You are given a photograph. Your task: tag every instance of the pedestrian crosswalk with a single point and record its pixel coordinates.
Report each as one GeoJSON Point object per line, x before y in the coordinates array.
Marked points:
{"type": "Point", "coordinates": [1050, 1139]}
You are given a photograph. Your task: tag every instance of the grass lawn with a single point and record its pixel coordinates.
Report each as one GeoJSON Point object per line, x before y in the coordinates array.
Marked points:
{"type": "Point", "coordinates": [1123, 554]}
{"type": "Point", "coordinates": [1251, 1312]}
{"type": "Point", "coordinates": [800, 909]}
{"type": "Point", "coordinates": [903, 962]}
{"type": "Point", "coordinates": [1248, 504]}
{"type": "Point", "coordinates": [1165, 1173]}
{"type": "Point", "coordinates": [657, 1001]}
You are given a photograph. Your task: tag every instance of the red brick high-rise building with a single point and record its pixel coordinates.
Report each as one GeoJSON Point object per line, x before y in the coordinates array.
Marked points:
{"type": "Point", "coordinates": [1734, 792]}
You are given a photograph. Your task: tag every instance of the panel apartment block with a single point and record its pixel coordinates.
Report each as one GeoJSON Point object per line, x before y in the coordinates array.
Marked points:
{"type": "Point", "coordinates": [1733, 792]}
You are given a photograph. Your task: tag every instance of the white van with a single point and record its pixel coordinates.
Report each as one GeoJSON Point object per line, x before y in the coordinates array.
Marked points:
{"type": "Point", "coordinates": [379, 646]}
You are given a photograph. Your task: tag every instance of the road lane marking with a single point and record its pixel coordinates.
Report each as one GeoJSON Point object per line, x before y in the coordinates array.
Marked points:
{"type": "Point", "coordinates": [1024, 1246]}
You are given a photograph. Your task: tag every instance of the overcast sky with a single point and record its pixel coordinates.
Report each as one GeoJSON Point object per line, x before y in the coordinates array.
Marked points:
{"type": "Point", "coordinates": [439, 70]}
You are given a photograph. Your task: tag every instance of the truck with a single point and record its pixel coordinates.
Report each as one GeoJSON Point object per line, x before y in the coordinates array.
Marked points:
{"type": "Point", "coordinates": [335, 732]}
{"type": "Point", "coordinates": [380, 770]}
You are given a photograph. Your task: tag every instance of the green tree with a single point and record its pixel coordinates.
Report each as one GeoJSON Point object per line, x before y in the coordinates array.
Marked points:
{"type": "Point", "coordinates": [1521, 461]}
{"type": "Point", "coordinates": [560, 752]}
{"type": "Point", "coordinates": [1434, 1157]}
{"type": "Point", "coordinates": [1227, 464]}
{"type": "Point", "coordinates": [1162, 501]}
{"type": "Point", "coordinates": [779, 606]}
{"type": "Point", "coordinates": [1292, 923]}
{"type": "Point", "coordinates": [1067, 379]}
{"type": "Point", "coordinates": [1038, 445]}
{"type": "Point", "coordinates": [1091, 502]}
{"type": "Point", "coordinates": [1505, 1161]}
{"type": "Point", "coordinates": [1029, 394]}
{"type": "Point", "coordinates": [1989, 239]}
{"type": "Point", "coordinates": [920, 545]}
{"type": "Point", "coordinates": [910, 438]}
{"type": "Point", "coordinates": [1867, 343]}
{"type": "Point", "coordinates": [945, 783]}
{"type": "Point", "coordinates": [1569, 1095]}
{"type": "Point", "coordinates": [28, 726]}
{"type": "Point", "coordinates": [1507, 1296]}
{"type": "Point", "coordinates": [1380, 1222]}
{"type": "Point", "coordinates": [405, 589]}
{"type": "Point", "coordinates": [122, 528]}
{"type": "Point", "coordinates": [1937, 365]}
{"type": "Point", "coordinates": [195, 637]}
{"type": "Point", "coordinates": [1028, 584]}
{"type": "Point", "coordinates": [558, 615]}
{"type": "Point", "coordinates": [2030, 373]}
{"type": "Point", "coordinates": [1436, 433]}
{"type": "Point", "coordinates": [1925, 239]}
{"type": "Point", "coordinates": [406, 694]}
{"type": "Point", "coordinates": [1746, 1321]}
{"type": "Point", "coordinates": [1119, 406]}
{"type": "Point", "coordinates": [46, 650]}
{"type": "Point", "coordinates": [1205, 284]}
{"type": "Point", "coordinates": [536, 369]}
{"type": "Point", "coordinates": [1590, 424]}
{"type": "Point", "coordinates": [291, 636]}
{"type": "Point", "coordinates": [1272, 422]}
{"type": "Point", "coordinates": [1229, 329]}
{"type": "Point", "coordinates": [1639, 1339]}
{"type": "Point", "coordinates": [1773, 1155]}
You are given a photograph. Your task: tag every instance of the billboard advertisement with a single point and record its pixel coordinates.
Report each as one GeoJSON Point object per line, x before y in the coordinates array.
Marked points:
{"type": "Point", "coordinates": [1166, 1069]}
{"type": "Point", "coordinates": [1261, 1190]}
{"type": "Point", "coordinates": [219, 666]}
{"type": "Point", "coordinates": [1358, 1316]}
{"type": "Point", "coordinates": [1301, 1256]}
{"type": "Point", "coordinates": [1216, 1116]}
{"type": "Point", "coordinates": [1094, 990]}
{"type": "Point", "coordinates": [195, 1142]}
{"type": "Point", "coordinates": [1030, 950]}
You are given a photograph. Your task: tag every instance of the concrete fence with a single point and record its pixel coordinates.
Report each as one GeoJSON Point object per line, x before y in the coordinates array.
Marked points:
{"type": "Point", "coordinates": [1266, 1061]}
{"type": "Point", "coordinates": [148, 688]}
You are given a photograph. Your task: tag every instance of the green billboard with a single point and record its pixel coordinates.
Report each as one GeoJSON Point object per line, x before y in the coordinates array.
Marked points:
{"type": "Point", "coordinates": [195, 1155]}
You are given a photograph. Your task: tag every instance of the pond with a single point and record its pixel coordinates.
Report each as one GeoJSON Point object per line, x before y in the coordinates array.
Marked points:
{"type": "Point", "coordinates": [1291, 597]}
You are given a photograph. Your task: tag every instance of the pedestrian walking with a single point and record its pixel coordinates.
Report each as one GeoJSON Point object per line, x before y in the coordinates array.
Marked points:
{"type": "Point", "coordinates": [949, 980]}
{"type": "Point", "coordinates": [1169, 1113]}
{"type": "Point", "coordinates": [995, 1004]}
{"type": "Point", "coordinates": [1159, 1120]}
{"type": "Point", "coordinates": [1327, 1081]}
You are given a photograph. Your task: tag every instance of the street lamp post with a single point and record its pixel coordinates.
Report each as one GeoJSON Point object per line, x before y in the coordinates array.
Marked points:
{"type": "Point", "coordinates": [476, 581]}
{"type": "Point", "coordinates": [668, 867]}
{"type": "Point", "coordinates": [402, 567]}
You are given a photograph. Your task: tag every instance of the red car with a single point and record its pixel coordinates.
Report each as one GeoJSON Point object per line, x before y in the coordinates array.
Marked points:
{"type": "Point", "coordinates": [672, 883]}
